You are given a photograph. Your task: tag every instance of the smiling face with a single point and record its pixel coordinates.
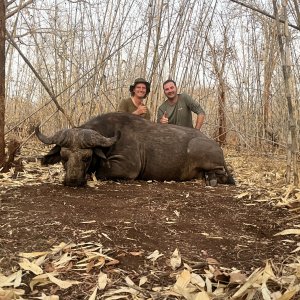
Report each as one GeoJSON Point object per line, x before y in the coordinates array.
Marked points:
{"type": "Point", "coordinates": [170, 90]}
{"type": "Point", "coordinates": [140, 90]}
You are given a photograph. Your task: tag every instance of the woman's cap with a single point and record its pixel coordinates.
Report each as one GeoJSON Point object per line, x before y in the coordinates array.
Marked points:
{"type": "Point", "coordinates": [140, 80]}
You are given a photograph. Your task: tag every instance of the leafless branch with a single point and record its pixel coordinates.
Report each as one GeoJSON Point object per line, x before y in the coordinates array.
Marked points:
{"type": "Point", "coordinates": [10, 14]}
{"type": "Point", "coordinates": [263, 12]}
{"type": "Point", "coordinates": [12, 42]}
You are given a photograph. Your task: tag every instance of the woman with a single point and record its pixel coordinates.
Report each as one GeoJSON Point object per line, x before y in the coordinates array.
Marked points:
{"type": "Point", "coordinates": [139, 90]}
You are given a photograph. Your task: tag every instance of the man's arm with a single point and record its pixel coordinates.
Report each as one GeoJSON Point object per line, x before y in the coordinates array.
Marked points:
{"type": "Point", "coordinates": [200, 121]}
{"type": "Point", "coordinates": [197, 109]}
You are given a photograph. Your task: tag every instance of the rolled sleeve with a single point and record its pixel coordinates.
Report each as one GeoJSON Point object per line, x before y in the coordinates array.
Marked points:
{"type": "Point", "coordinates": [194, 106]}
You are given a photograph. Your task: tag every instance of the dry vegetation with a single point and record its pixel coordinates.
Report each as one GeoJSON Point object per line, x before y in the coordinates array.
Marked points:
{"type": "Point", "coordinates": [88, 268]}
{"type": "Point", "coordinates": [87, 55]}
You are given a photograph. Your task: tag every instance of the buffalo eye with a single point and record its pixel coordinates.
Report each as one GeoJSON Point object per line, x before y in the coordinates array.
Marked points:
{"type": "Point", "coordinates": [64, 154]}
{"type": "Point", "coordinates": [86, 158]}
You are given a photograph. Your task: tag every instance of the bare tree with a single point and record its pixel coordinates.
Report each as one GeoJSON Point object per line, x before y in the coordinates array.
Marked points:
{"type": "Point", "coordinates": [220, 53]}
{"type": "Point", "coordinates": [284, 41]}
{"type": "Point", "coordinates": [2, 80]}
{"type": "Point", "coordinates": [88, 52]}
{"type": "Point", "coordinates": [297, 10]}
{"type": "Point", "coordinates": [269, 56]}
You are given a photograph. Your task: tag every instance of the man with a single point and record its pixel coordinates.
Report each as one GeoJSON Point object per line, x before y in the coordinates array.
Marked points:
{"type": "Point", "coordinates": [178, 108]}
{"type": "Point", "coordinates": [139, 90]}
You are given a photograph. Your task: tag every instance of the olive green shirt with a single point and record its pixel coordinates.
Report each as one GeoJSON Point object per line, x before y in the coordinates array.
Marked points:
{"type": "Point", "coordinates": [181, 112]}
{"type": "Point", "coordinates": [126, 105]}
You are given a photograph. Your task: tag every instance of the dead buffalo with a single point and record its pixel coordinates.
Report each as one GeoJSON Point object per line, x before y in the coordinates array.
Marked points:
{"type": "Point", "coordinates": [125, 146]}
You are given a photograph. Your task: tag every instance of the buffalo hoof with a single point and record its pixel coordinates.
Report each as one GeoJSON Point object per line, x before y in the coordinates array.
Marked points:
{"type": "Point", "coordinates": [213, 182]}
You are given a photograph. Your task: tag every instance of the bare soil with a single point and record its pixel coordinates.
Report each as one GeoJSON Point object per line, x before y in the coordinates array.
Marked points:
{"type": "Point", "coordinates": [202, 222]}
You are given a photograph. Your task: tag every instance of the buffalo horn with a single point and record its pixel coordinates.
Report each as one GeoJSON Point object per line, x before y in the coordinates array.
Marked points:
{"type": "Point", "coordinates": [59, 138]}
{"type": "Point", "coordinates": [91, 139]}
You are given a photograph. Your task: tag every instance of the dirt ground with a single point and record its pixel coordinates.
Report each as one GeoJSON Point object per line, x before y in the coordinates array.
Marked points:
{"type": "Point", "coordinates": [140, 217]}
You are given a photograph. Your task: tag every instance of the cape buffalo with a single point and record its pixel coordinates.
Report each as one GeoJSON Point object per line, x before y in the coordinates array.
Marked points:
{"type": "Point", "coordinates": [125, 146]}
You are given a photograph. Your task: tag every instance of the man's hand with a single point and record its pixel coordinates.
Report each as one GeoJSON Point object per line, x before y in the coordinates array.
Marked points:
{"type": "Point", "coordinates": [164, 119]}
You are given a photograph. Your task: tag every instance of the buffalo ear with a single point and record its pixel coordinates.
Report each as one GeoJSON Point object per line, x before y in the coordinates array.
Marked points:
{"type": "Point", "coordinates": [52, 157]}
{"type": "Point", "coordinates": [100, 153]}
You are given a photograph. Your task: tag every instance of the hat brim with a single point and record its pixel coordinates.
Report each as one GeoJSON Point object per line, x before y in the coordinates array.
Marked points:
{"type": "Point", "coordinates": [131, 87]}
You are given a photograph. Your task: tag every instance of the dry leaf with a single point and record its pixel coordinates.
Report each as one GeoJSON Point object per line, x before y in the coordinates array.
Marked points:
{"type": "Point", "coordinates": [212, 261]}
{"type": "Point", "coordinates": [33, 254]}
{"type": "Point", "coordinates": [268, 273]}
{"type": "Point", "coordinates": [7, 280]}
{"type": "Point", "coordinates": [102, 281]}
{"type": "Point", "coordinates": [197, 280]}
{"type": "Point", "coordinates": [276, 295]}
{"type": "Point", "coordinates": [175, 260]}
{"type": "Point", "coordinates": [154, 255]}
{"type": "Point", "coordinates": [237, 277]}
{"type": "Point", "coordinates": [177, 213]}
{"type": "Point", "coordinates": [25, 264]}
{"type": "Point", "coordinates": [112, 262]}
{"type": "Point", "coordinates": [63, 284]}
{"type": "Point", "coordinates": [243, 195]}
{"type": "Point", "coordinates": [101, 262]}
{"type": "Point", "coordinates": [202, 296]}
{"type": "Point", "coordinates": [113, 294]}
{"type": "Point", "coordinates": [289, 231]}
{"type": "Point", "coordinates": [129, 281]}
{"type": "Point", "coordinates": [94, 295]}
{"type": "Point", "coordinates": [183, 279]}
{"type": "Point", "coordinates": [253, 278]}
{"type": "Point", "coordinates": [106, 235]}
{"type": "Point", "coordinates": [59, 248]}
{"type": "Point", "coordinates": [265, 292]}
{"type": "Point", "coordinates": [136, 253]}
{"type": "Point", "coordinates": [39, 261]}
{"type": "Point", "coordinates": [18, 279]}
{"type": "Point", "coordinates": [11, 294]}
{"type": "Point", "coordinates": [88, 222]}
{"type": "Point", "coordinates": [40, 280]}
{"type": "Point", "coordinates": [208, 285]}
{"type": "Point", "coordinates": [64, 259]}
{"type": "Point", "coordinates": [143, 280]}
{"type": "Point", "coordinates": [288, 295]}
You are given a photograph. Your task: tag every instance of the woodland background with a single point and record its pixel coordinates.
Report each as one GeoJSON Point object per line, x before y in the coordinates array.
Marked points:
{"type": "Point", "coordinates": [63, 62]}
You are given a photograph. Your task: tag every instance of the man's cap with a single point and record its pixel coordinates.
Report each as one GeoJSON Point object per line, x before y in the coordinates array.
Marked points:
{"type": "Point", "coordinates": [140, 80]}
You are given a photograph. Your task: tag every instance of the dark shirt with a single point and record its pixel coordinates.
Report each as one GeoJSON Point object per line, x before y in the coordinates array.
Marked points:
{"type": "Point", "coordinates": [126, 105]}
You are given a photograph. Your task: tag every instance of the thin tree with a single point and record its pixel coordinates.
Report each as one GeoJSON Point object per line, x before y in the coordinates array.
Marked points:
{"type": "Point", "coordinates": [219, 57]}
{"type": "Point", "coordinates": [270, 58]}
{"type": "Point", "coordinates": [2, 81]}
{"type": "Point", "coordinates": [284, 41]}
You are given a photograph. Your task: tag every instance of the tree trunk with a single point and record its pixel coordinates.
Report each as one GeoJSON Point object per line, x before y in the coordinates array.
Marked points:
{"type": "Point", "coordinates": [284, 41]}
{"type": "Point", "coordinates": [270, 57]}
{"type": "Point", "coordinates": [296, 4]}
{"type": "Point", "coordinates": [2, 81]}
{"type": "Point", "coordinates": [221, 113]}
{"type": "Point", "coordinates": [219, 60]}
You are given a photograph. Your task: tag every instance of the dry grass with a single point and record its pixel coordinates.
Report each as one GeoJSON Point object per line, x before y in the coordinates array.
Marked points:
{"type": "Point", "coordinates": [259, 179]}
